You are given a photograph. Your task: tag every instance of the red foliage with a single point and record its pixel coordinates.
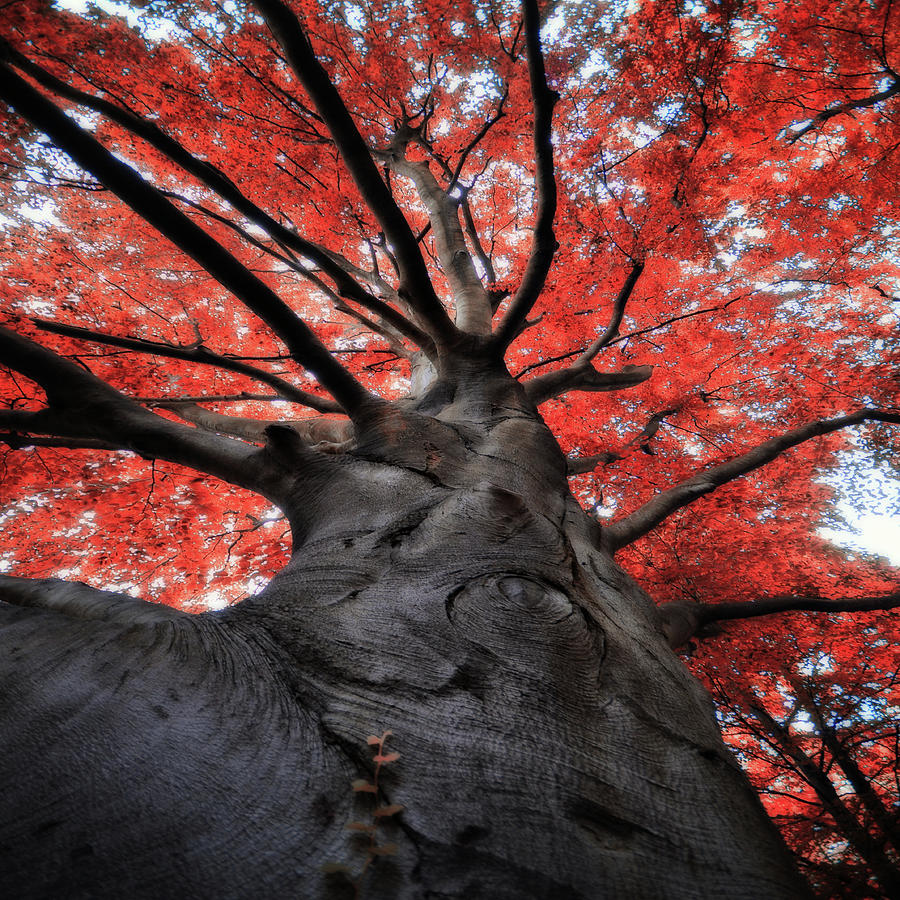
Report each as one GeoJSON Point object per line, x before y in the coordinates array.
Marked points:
{"type": "Point", "coordinates": [767, 298]}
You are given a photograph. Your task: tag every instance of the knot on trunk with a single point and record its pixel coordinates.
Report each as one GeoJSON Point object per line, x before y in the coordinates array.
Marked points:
{"type": "Point", "coordinates": [679, 622]}
{"type": "Point", "coordinates": [535, 628]}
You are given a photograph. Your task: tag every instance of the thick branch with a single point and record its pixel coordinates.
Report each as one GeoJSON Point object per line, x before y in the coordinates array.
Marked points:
{"type": "Point", "coordinates": [319, 430]}
{"type": "Point", "coordinates": [193, 354]}
{"type": "Point", "coordinates": [416, 286]}
{"type": "Point", "coordinates": [78, 601]}
{"type": "Point", "coordinates": [147, 202]}
{"type": "Point", "coordinates": [682, 621]}
{"type": "Point", "coordinates": [453, 176]}
{"type": "Point", "coordinates": [717, 612]}
{"type": "Point", "coordinates": [648, 516]}
{"type": "Point", "coordinates": [473, 306]}
{"type": "Point", "coordinates": [490, 273]}
{"type": "Point", "coordinates": [85, 409]}
{"type": "Point", "coordinates": [543, 247]}
{"type": "Point", "coordinates": [581, 465]}
{"type": "Point", "coordinates": [583, 378]}
{"type": "Point", "coordinates": [242, 397]}
{"type": "Point", "coordinates": [340, 270]}
{"type": "Point", "coordinates": [16, 441]}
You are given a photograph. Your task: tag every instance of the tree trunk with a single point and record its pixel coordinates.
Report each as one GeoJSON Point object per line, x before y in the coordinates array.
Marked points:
{"type": "Point", "coordinates": [444, 586]}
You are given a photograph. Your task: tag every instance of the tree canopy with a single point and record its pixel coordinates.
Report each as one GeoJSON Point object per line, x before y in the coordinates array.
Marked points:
{"type": "Point", "coordinates": [227, 225]}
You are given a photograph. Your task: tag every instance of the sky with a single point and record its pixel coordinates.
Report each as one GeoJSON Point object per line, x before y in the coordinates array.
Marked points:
{"type": "Point", "coordinates": [868, 499]}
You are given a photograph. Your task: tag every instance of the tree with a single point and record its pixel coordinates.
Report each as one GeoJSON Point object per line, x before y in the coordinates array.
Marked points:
{"type": "Point", "coordinates": [444, 292]}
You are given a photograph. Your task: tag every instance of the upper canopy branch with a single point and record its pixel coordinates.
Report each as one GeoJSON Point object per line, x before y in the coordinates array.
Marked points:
{"type": "Point", "coordinates": [453, 188]}
{"type": "Point", "coordinates": [544, 246]}
{"type": "Point", "coordinates": [340, 270]}
{"type": "Point", "coordinates": [476, 140]}
{"type": "Point", "coordinates": [339, 294]}
{"type": "Point", "coordinates": [415, 287]}
{"type": "Point", "coordinates": [640, 332]}
{"type": "Point", "coordinates": [618, 313]}
{"type": "Point", "coordinates": [648, 516]}
{"type": "Point", "coordinates": [840, 109]}
{"type": "Point", "coordinates": [149, 203]}
{"type": "Point", "coordinates": [581, 375]}
{"type": "Point", "coordinates": [473, 305]}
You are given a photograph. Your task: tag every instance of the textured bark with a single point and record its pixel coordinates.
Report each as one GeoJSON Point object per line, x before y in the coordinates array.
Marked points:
{"type": "Point", "coordinates": [444, 585]}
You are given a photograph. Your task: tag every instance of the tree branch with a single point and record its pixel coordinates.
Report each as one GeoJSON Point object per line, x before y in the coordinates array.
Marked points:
{"type": "Point", "coordinates": [473, 306]}
{"type": "Point", "coordinates": [147, 202]}
{"type": "Point", "coordinates": [78, 601]}
{"type": "Point", "coordinates": [453, 175]}
{"type": "Point", "coordinates": [633, 334]}
{"type": "Point", "coordinates": [845, 108]}
{"type": "Point", "coordinates": [612, 330]}
{"type": "Point", "coordinates": [682, 621]}
{"type": "Point", "coordinates": [86, 411]}
{"type": "Point", "coordinates": [316, 431]}
{"type": "Point", "coordinates": [868, 847]}
{"type": "Point", "coordinates": [544, 246]}
{"type": "Point", "coordinates": [415, 284]}
{"type": "Point", "coordinates": [490, 274]}
{"type": "Point", "coordinates": [583, 378]}
{"type": "Point", "coordinates": [579, 465]}
{"type": "Point", "coordinates": [16, 441]}
{"type": "Point", "coordinates": [477, 139]}
{"type": "Point", "coordinates": [648, 516]}
{"type": "Point", "coordinates": [193, 354]}
{"type": "Point", "coordinates": [242, 397]}
{"type": "Point", "coordinates": [870, 799]}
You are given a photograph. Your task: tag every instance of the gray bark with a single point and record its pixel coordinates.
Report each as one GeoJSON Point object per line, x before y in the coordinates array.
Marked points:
{"type": "Point", "coordinates": [444, 585]}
